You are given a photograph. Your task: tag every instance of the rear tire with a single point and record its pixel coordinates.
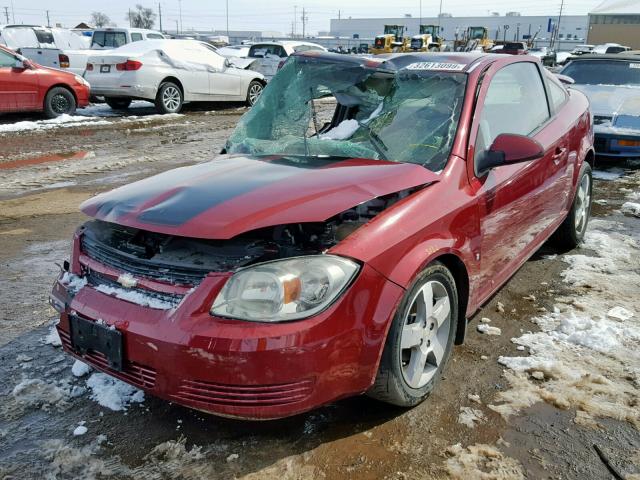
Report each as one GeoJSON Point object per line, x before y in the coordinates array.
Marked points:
{"type": "Point", "coordinates": [59, 101]}
{"type": "Point", "coordinates": [169, 98]}
{"type": "Point", "coordinates": [118, 103]}
{"type": "Point", "coordinates": [420, 339]}
{"type": "Point", "coordinates": [253, 92]}
{"type": "Point", "coordinates": [571, 232]}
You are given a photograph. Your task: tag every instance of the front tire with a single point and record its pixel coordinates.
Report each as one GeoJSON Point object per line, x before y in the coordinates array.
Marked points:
{"type": "Point", "coordinates": [571, 232]}
{"type": "Point", "coordinates": [118, 103]}
{"type": "Point", "coordinates": [59, 101]}
{"type": "Point", "coordinates": [420, 339]}
{"type": "Point", "coordinates": [253, 92]}
{"type": "Point", "coordinates": [169, 98]}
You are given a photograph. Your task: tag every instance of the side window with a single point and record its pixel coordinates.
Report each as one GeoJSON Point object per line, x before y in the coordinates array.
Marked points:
{"type": "Point", "coordinates": [136, 37]}
{"type": "Point", "coordinates": [557, 93]}
{"type": "Point", "coordinates": [515, 103]}
{"type": "Point", "coordinates": [6, 60]}
{"type": "Point", "coordinates": [154, 36]}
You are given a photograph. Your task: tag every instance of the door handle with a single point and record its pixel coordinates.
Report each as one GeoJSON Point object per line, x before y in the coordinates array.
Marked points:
{"type": "Point", "coordinates": [557, 155]}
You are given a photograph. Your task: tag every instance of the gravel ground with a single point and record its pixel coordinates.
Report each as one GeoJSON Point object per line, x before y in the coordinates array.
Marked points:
{"type": "Point", "coordinates": [461, 431]}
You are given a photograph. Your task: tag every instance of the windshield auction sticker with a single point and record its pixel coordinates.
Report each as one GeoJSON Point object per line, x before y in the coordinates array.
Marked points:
{"type": "Point", "coordinates": [456, 67]}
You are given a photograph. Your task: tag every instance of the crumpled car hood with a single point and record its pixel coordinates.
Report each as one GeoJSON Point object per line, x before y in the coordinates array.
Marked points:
{"type": "Point", "coordinates": [234, 194]}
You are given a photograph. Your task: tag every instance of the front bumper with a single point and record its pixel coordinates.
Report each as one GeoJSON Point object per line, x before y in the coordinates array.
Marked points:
{"type": "Point", "coordinates": [237, 368]}
{"type": "Point", "coordinates": [82, 95]}
{"type": "Point", "coordinates": [607, 142]}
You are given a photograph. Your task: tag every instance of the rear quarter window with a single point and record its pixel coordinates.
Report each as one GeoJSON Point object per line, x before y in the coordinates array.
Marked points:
{"type": "Point", "coordinates": [155, 36]}
{"type": "Point", "coordinates": [136, 37]}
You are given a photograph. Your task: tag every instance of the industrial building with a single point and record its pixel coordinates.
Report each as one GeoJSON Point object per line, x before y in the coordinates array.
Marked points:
{"type": "Point", "coordinates": [615, 21]}
{"type": "Point", "coordinates": [573, 29]}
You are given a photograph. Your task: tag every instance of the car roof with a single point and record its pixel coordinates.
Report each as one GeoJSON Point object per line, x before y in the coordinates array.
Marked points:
{"type": "Point", "coordinates": [397, 61]}
{"type": "Point", "coordinates": [608, 56]}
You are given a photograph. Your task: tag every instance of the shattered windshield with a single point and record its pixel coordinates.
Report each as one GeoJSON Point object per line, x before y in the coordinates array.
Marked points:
{"type": "Point", "coordinates": [343, 109]}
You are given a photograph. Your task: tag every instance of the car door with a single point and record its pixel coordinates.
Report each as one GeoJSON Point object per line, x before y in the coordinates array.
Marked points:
{"type": "Point", "coordinates": [191, 68]}
{"type": "Point", "coordinates": [18, 87]}
{"type": "Point", "coordinates": [224, 80]}
{"type": "Point", "coordinates": [517, 202]}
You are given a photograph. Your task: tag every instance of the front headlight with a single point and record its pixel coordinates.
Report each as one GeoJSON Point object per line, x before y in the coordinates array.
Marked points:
{"type": "Point", "coordinates": [81, 81]}
{"type": "Point", "coordinates": [283, 290]}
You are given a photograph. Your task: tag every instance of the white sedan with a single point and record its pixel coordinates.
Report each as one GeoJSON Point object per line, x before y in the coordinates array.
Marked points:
{"type": "Point", "coordinates": [169, 73]}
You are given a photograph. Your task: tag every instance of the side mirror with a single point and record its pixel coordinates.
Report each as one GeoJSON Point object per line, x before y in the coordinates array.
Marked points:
{"type": "Point", "coordinates": [20, 65]}
{"type": "Point", "coordinates": [227, 63]}
{"type": "Point", "coordinates": [565, 79]}
{"type": "Point", "coordinates": [506, 149]}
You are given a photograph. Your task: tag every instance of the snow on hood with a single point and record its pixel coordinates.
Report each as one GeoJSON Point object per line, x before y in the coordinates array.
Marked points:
{"type": "Point", "coordinates": [611, 99]}
{"type": "Point", "coordinates": [234, 194]}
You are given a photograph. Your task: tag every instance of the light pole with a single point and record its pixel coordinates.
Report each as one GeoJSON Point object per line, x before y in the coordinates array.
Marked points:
{"type": "Point", "coordinates": [559, 19]}
{"type": "Point", "coordinates": [180, 12]}
{"type": "Point", "coordinates": [227, 20]}
{"type": "Point", "coordinates": [439, 15]}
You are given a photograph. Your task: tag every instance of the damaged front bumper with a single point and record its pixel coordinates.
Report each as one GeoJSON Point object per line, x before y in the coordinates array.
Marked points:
{"type": "Point", "coordinates": [232, 367]}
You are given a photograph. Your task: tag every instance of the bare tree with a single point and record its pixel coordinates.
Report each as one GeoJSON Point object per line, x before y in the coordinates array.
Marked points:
{"type": "Point", "coordinates": [141, 17]}
{"type": "Point", "coordinates": [99, 19]}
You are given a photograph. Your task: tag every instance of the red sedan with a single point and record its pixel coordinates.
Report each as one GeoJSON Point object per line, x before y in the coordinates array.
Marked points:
{"type": "Point", "coordinates": [361, 212]}
{"type": "Point", "coordinates": [28, 87]}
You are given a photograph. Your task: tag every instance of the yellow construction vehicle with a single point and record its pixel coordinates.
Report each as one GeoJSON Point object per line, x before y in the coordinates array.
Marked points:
{"type": "Point", "coordinates": [427, 40]}
{"type": "Point", "coordinates": [393, 40]}
{"type": "Point", "coordinates": [476, 38]}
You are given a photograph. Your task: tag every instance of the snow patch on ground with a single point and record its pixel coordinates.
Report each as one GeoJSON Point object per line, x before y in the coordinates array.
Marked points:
{"type": "Point", "coordinates": [38, 393]}
{"type": "Point", "coordinates": [113, 393]}
{"type": "Point", "coordinates": [135, 297]}
{"type": "Point", "coordinates": [470, 416]}
{"type": "Point", "coordinates": [482, 462]}
{"type": "Point", "coordinates": [79, 430]}
{"type": "Point", "coordinates": [631, 208]}
{"type": "Point", "coordinates": [610, 174]}
{"type": "Point", "coordinates": [52, 338]}
{"type": "Point", "coordinates": [61, 121]}
{"type": "Point", "coordinates": [488, 329]}
{"type": "Point", "coordinates": [80, 369]}
{"type": "Point", "coordinates": [587, 354]}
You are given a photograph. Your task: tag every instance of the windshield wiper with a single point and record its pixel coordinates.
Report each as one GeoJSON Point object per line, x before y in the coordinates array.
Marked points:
{"type": "Point", "coordinates": [376, 141]}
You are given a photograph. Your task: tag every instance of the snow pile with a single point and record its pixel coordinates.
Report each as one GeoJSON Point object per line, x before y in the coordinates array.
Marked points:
{"type": "Point", "coordinates": [481, 462]}
{"type": "Point", "coordinates": [470, 416]}
{"type": "Point", "coordinates": [112, 393]}
{"type": "Point", "coordinates": [79, 430]}
{"type": "Point", "coordinates": [80, 369]}
{"type": "Point", "coordinates": [587, 354]}
{"type": "Point", "coordinates": [52, 338]}
{"type": "Point", "coordinates": [136, 297]}
{"type": "Point", "coordinates": [342, 131]}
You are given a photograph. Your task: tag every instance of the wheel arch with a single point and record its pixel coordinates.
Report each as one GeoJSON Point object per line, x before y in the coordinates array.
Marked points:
{"type": "Point", "coordinates": [590, 158]}
{"type": "Point", "coordinates": [175, 80]}
{"type": "Point", "coordinates": [461, 276]}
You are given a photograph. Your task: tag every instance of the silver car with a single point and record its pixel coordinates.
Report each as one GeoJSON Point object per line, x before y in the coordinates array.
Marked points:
{"type": "Point", "coordinates": [612, 84]}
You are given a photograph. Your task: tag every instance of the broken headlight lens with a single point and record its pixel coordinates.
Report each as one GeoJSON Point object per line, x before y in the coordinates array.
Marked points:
{"type": "Point", "coordinates": [283, 290]}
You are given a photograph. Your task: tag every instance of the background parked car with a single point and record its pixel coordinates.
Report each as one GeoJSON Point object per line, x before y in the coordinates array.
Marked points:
{"type": "Point", "coordinates": [546, 55]}
{"type": "Point", "coordinates": [27, 86]}
{"type": "Point", "coordinates": [49, 47]}
{"type": "Point", "coordinates": [238, 51]}
{"type": "Point", "coordinates": [608, 48]}
{"type": "Point", "coordinates": [169, 73]}
{"type": "Point", "coordinates": [612, 84]}
{"type": "Point", "coordinates": [515, 48]}
{"type": "Point", "coordinates": [266, 57]}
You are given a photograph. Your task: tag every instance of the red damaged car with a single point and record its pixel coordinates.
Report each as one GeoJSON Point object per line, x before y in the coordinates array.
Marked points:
{"type": "Point", "coordinates": [28, 87]}
{"type": "Point", "coordinates": [361, 212]}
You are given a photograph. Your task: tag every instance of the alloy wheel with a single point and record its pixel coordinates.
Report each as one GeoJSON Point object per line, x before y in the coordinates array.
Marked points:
{"type": "Point", "coordinates": [583, 202]}
{"type": "Point", "coordinates": [254, 92]}
{"type": "Point", "coordinates": [425, 333]}
{"type": "Point", "coordinates": [171, 98]}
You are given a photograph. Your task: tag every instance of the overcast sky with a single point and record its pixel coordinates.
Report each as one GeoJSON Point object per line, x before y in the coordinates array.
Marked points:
{"type": "Point", "coordinates": [276, 15]}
